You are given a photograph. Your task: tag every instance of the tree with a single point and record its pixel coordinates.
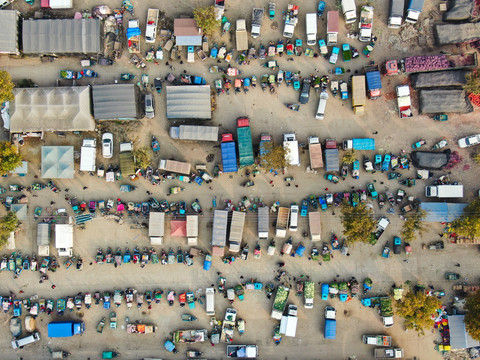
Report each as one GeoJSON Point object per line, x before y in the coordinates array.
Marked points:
{"type": "Point", "coordinates": [358, 222]}
{"type": "Point", "coordinates": [476, 157]}
{"type": "Point", "coordinates": [349, 157]}
{"type": "Point", "coordinates": [206, 19]}
{"type": "Point", "coordinates": [142, 157]}
{"type": "Point", "coordinates": [10, 158]}
{"type": "Point", "coordinates": [274, 156]}
{"type": "Point", "coordinates": [468, 225]}
{"type": "Point", "coordinates": [6, 87]}
{"type": "Point", "coordinates": [8, 224]}
{"type": "Point", "coordinates": [473, 83]}
{"type": "Point", "coordinates": [472, 317]}
{"type": "Point", "coordinates": [413, 225]}
{"type": "Point", "coordinates": [417, 309]}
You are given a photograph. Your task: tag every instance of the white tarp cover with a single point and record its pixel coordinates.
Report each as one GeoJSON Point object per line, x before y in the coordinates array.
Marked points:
{"type": "Point", "coordinates": [43, 234]}
{"type": "Point", "coordinates": [61, 36]}
{"type": "Point", "coordinates": [57, 162]}
{"type": "Point", "coordinates": [9, 33]}
{"type": "Point", "coordinates": [63, 236]}
{"type": "Point", "coordinates": [115, 101]}
{"type": "Point", "coordinates": [61, 4]}
{"type": "Point", "coordinates": [51, 109]}
{"type": "Point", "coordinates": [189, 102]}
{"type": "Point", "coordinates": [156, 224]}
{"type": "Point", "coordinates": [459, 338]}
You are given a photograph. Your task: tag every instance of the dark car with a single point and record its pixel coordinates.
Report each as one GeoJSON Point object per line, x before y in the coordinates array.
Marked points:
{"type": "Point", "coordinates": [305, 93]}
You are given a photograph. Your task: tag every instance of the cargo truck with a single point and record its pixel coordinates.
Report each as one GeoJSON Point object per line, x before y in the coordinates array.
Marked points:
{"type": "Point", "coordinates": [228, 325]}
{"type": "Point", "coordinates": [349, 11]}
{"type": "Point", "coordinates": [377, 340]}
{"type": "Point", "coordinates": [194, 132]}
{"type": "Point", "coordinates": [127, 161]}
{"type": "Point", "coordinates": [156, 227]}
{"type": "Point", "coordinates": [133, 36]}
{"type": "Point", "coordinates": [65, 329]}
{"type": "Point", "coordinates": [425, 63]}
{"type": "Point", "coordinates": [282, 222]}
{"type": "Point", "coordinates": [309, 294]}
{"type": "Point", "coordinates": [444, 191]}
{"type": "Point", "coordinates": [395, 18]}
{"type": "Point", "coordinates": [366, 24]}
{"type": "Point", "coordinates": [88, 155]}
{"type": "Point", "coordinates": [43, 239]}
{"type": "Point", "coordinates": [404, 102]}
{"type": "Point", "coordinates": [229, 155]}
{"type": "Point", "coordinates": [389, 353]}
{"type": "Point", "coordinates": [219, 232]}
{"type": "Point", "coordinates": [332, 28]}
{"type": "Point", "coordinates": [288, 324]}
{"type": "Point", "coordinates": [263, 225]}
{"type": "Point", "coordinates": [280, 302]}
{"type": "Point", "coordinates": [290, 143]}
{"type": "Point", "coordinates": [262, 147]}
{"type": "Point", "coordinates": [242, 351]}
{"type": "Point", "coordinates": [315, 225]}
{"type": "Point", "coordinates": [236, 231]}
{"type": "Point", "coordinates": [311, 22]}
{"type": "Point", "coordinates": [359, 144]}
{"type": "Point", "coordinates": [358, 94]}
{"type": "Point", "coordinates": [257, 18]}
{"type": "Point", "coordinates": [245, 148]}
{"type": "Point", "coordinates": [331, 156]}
{"type": "Point", "coordinates": [151, 27]}
{"type": "Point", "coordinates": [291, 20]}
{"type": "Point", "coordinates": [386, 310]}
{"type": "Point", "coordinates": [414, 10]}
{"type": "Point", "coordinates": [374, 81]}
{"type": "Point", "coordinates": [330, 331]}
{"type": "Point", "coordinates": [189, 336]}
{"type": "Point", "coordinates": [241, 35]}
{"type": "Point", "coordinates": [192, 230]}
{"type": "Point", "coordinates": [315, 150]}
{"type": "Point", "coordinates": [178, 167]}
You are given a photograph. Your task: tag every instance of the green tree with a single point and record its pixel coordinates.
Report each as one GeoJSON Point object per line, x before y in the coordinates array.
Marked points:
{"type": "Point", "coordinates": [417, 309]}
{"type": "Point", "coordinates": [472, 317]}
{"type": "Point", "coordinates": [413, 225]}
{"type": "Point", "coordinates": [143, 158]}
{"type": "Point", "coordinates": [8, 224]}
{"type": "Point", "coordinates": [349, 157]}
{"type": "Point", "coordinates": [206, 19]}
{"type": "Point", "coordinates": [10, 158]}
{"type": "Point", "coordinates": [6, 87]}
{"type": "Point", "coordinates": [473, 83]}
{"type": "Point", "coordinates": [274, 156]}
{"type": "Point", "coordinates": [358, 222]}
{"type": "Point", "coordinates": [468, 225]}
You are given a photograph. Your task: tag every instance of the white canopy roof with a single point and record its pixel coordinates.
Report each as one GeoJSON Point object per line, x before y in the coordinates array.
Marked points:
{"type": "Point", "coordinates": [57, 162]}
{"type": "Point", "coordinates": [63, 236]}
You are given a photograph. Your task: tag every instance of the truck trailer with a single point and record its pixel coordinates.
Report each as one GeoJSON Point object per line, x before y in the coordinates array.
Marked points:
{"type": "Point", "coordinates": [374, 81]}
{"type": "Point", "coordinates": [229, 155]}
{"type": "Point", "coordinates": [395, 17]}
{"type": "Point", "coordinates": [245, 147]}
{"type": "Point", "coordinates": [332, 28]}
{"type": "Point", "coordinates": [315, 151]}
{"type": "Point", "coordinates": [315, 225]}
{"type": "Point", "coordinates": [263, 224]}
{"type": "Point", "coordinates": [241, 35]}
{"type": "Point", "coordinates": [178, 167]}
{"type": "Point", "coordinates": [219, 232]}
{"type": "Point", "coordinates": [359, 144]}
{"type": "Point", "coordinates": [236, 231]}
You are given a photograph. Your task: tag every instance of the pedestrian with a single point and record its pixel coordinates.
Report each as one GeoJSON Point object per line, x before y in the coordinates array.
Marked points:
{"type": "Point", "coordinates": [218, 273]}
{"type": "Point", "coordinates": [66, 190]}
{"type": "Point", "coordinates": [167, 63]}
{"type": "Point", "coordinates": [85, 187]}
{"type": "Point", "coordinates": [171, 67]}
{"type": "Point", "coordinates": [52, 203]}
{"type": "Point", "coordinates": [53, 286]}
{"type": "Point", "coordinates": [20, 292]}
{"type": "Point", "coordinates": [457, 265]}
{"type": "Point", "coordinates": [375, 133]}
{"type": "Point", "coordinates": [184, 71]}
{"type": "Point", "coordinates": [326, 189]}
{"type": "Point", "coordinates": [181, 62]}
{"type": "Point", "coordinates": [382, 182]}
{"type": "Point", "coordinates": [241, 277]}
{"type": "Point", "coordinates": [296, 186]}
{"type": "Point", "coordinates": [213, 285]}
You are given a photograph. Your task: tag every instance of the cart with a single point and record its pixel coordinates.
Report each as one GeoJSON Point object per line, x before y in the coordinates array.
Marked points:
{"type": "Point", "coordinates": [101, 325]}
{"type": "Point", "coordinates": [452, 276]}
{"type": "Point", "coordinates": [386, 250]}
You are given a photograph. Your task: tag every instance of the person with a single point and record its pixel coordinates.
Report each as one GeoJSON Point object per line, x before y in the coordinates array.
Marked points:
{"type": "Point", "coordinates": [85, 187]}
{"type": "Point", "coordinates": [53, 286]}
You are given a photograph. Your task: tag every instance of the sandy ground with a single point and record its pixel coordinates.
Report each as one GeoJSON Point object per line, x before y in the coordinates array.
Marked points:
{"type": "Point", "coordinates": [268, 115]}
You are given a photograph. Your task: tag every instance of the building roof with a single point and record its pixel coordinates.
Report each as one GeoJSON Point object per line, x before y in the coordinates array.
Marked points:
{"type": "Point", "coordinates": [442, 212]}
{"type": "Point", "coordinates": [189, 102]}
{"type": "Point", "coordinates": [57, 162]}
{"type": "Point", "coordinates": [9, 33]}
{"type": "Point", "coordinates": [115, 101]}
{"type": "Point", "coordinates": [459, 338]}
{"type": "Point", "coordinates": [178, 228]}
{"type": "Point", "coordinates": [187, 32]}
{"type": "Point", "coordinates": [61, 36]}
{"type": "Point", "coordinates": [51, 109]}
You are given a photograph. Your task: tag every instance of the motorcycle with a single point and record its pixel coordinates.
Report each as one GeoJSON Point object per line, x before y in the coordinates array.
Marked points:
{"type": "Point", "coordinates": [171, 297]}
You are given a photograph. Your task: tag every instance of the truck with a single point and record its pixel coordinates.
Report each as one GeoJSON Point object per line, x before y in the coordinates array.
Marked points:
{"type": "Point", "coordinates": [315, 225]}
{"type": "Point", "coordinates": [358, 94]}
{"type": "Point", "coordinates": [189, 336]}
{"type": "Point", "coordinates": [311, 21]}
{"type": "Point", "coordinates": [382, 224]}
{"type": "Point", "coordinates": [309, 294]}
{"type": "Point", "coordinates": [263, 224]}
{"type": "Point", "coordinates": [359, 144]}
{"type": "Point", "coordinates": [192, 230]}
{"type": "Point", "coordinates": [374, 81]}
{"type": "Point", "coordinates": [425, 63]}
{"type": "Point", "coordinates": [414, 10]}
{"type": "Point", "coordinates": [229, 156]}
{"type": "Point", "coordinates": [280, 302]}
{"type": "Point", "coordinates": [88, 155]}
{"type": "Point", "coordinates": [219, 231]}
{"type": "Point", "coordinates": [288, 324]}
{"type": "Point", "coordinates": [377, 340]}
{"type": "Point", "coordinates": [349, 11]}
{"type": "Point", "coordinates": [404, 103]}
{"type": "Point", "coordinates": [395, 18]}
{"type": "Point", "coordinates": [178, 167]}
{"type": "Point", "coordinates": [388, 353]}
{"type": "Point", "coordinates": [331, 156]}
{"type": "Point", "coordinates": [282, 222]}
{"type": "Point", "coordinates": [151, 27]}
{"type": "Point", "coordinates": [241, 35]}
{"type": "Point", "coordinates": [236, 231]}
{"type": "Point", "coordinates": [194, 132]}
{"type": "Point", "coordinates": [127, 161]}
{"type": "Point", "coordinates": [141, 328]}
{"type": "Point", "coordinates": [219, 9]}
{"type": "Point", "coordinates": [444, 191]}
{"type": "Point", "coordinates": [245, 147]}
{"type": "Point", "coordinates": [315, 150]}
{"type": "Point", "coordinates": [65, 329]}
{"type": "Point", "coordinates": [263, 148]}
{"type": "Point", "coordinates": [330, 330]}
{"type": "Point", "coordinates": [332, 28]}
{"type": "Point", "coordinates": [228, 325]}
{"type": "Point", "coordinates": [386, 310]}
{"type": "Point", "coordinates": [366, 24]}
{"type": "Point", "coordinates": [242, 351]}
{"type": "Point", "coordinates": [257, 18]}
{"type": "Point", "coordinates": [133, 36]}
{"type": "Point", "coordinates": [291, 20]}
{"type": "Point", "coordinates": [43, 239]}
{"type": "Point", "coordinates": [290, 143]}
{"type": "Point", "coordinates": [156, 227]}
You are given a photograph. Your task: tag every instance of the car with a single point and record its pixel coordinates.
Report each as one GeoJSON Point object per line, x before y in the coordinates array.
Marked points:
{"type": "Point", "coordinates": [469, 141]}
{"type": "Point", "coordinates": [149, 106]}
{"type": "Point", "coordinates": [305, 93]}
{"type": "Point", "coordinates": [107, 145]}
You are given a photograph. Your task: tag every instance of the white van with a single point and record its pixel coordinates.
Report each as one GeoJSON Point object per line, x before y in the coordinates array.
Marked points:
{"type": "Point", "coordinates": [20, 343]}
{"type": "Point", "coordinates": [293, 218]}
{"type": "Point", "coordinates": [210, 301]}
{"type": "Point", "coordinates": [322, 105]}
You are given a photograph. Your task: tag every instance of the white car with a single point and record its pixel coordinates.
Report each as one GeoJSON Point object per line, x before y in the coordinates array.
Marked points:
{"type": "Point", "coordinates": [107, 145]}
{"type": "Point", "coordinates": [469, 141]}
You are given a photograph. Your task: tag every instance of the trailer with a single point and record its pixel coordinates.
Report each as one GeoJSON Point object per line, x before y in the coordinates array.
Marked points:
{"type": "Point", "coordinates": [358, 94]}
{"type": "Point", "coordinates": [366, 24]}
{"type": "Point", "coordinates": [189, 336]}
{"type": "Point", "coordinates": [178, 167]}
{"type": "Point", "coordinates": [133, 36]}
{"type": "Point", "coordinates": [229, 156]}
{"type": "Point", "coordinates": [424, 63]}
{"type": "Point", "coordinates": [374, 82]}
{"type": "Point", "coordinates": [219, 232]}
{"type": "Point", "coordinates": [241, 35]}
{"type": "Point", "coordinates": [291, 20]}
{"type": "Point", "coordinates": [404, 102]}
{"type": "Point", "coordinates": [282, 222]}
{"type": "Point", "coordinates": [315, 225]}
{"type": "Point", "coordinates": [88, 155]}
{"type": "Point", "coordinates": [291, 144]}
{"type": "Point", "coordinates": [156, 227]}
{"type": "Point", "coordinates": [315, 150]}
{"type": "Point", "coordinates": [192, 230]}
{"type": "Point", "coordinates": [332, 28]}
{"type": "Point", "coordinates": [245, 147]}
{"type": "Point", "coordinates": [263, 224]}
{"type": "Point", "coordinates": [151, 27]}
{"type": "Point", "coordinates": [257, 18]}
{"type": "Point", "coordinates": [236, 231]}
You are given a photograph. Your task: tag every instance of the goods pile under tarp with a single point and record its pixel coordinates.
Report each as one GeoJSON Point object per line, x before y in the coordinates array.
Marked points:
{"type": "Point", "coordinates": [439, 79]}
{"type": "Point", "coordinates": [430, 160]}
{"type": "Point", "coordinates": [457, 33]}
{"type": "Point", "coordinates": [459, 10]}
{"type": "Point", "coordinates": [444, 101]}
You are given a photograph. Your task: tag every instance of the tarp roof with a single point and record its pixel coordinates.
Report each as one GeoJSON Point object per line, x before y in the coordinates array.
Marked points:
{"type": "Point", "coordinates": [115, 101]}
{"type": "Point", "coordinates": [197, 132]}
{"type": "Point", "coordinates": [156, 224]}
{"type": "Point", "coordinates": [9, 33]}
{"type": "Point", "coordinates": [189, 102]}
{"type": "Point", "coordinates": [459, 338]}
{"type": "Point", "coordinates": [442, 212]}
{"type": "Point", "coordinates": [457, 33]}
{"type": "Point", "coordinates": [63, 236]}
{"type": "Point", "coordinates": [439, 79]}
{"type": "Point", "coordinates": [21, 210]}
{"type": "Point", "coordinates": [57, 162]}
{"type": "Point", "coordinates": [459, 10]}
{"type": "Point", "coordinates": [440, 101]}
{"type": "Point", "coordinates": [51, 109]}
{"type": "Point", "coordinates": [187, 32]}
{"type": "Point", "coordinates": [178, 228]}
{"type": "Point", "coordinates": [61, 36]}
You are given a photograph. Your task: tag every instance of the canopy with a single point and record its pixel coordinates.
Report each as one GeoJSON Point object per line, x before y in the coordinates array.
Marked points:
{"type": "Point", "coordinates": [442, 212]}
{"type": "Point", "coordinates": [57, 162]}
{"type": "Point", "coordinates": [9, 33]}
{"type": "Point", "coordinates": [115, 101]}
{"type": "Point", "coordinates": [63, 236]}
{"type": "Point", "coordinates": [459, 337]}
{"type": "Point", "coordinates": [189, 102]}
{"type": "Point", "coordinates": [21, 211]}
{"type": "Point", "coordinates": [178, 228]}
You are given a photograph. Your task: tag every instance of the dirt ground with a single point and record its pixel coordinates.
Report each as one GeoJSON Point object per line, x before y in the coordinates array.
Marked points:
{"type": "Point", "coordinates": [268, 115]}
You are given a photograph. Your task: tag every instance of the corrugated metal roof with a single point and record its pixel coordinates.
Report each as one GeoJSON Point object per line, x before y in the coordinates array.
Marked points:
{"type": "Point", "coordinates": [9, 33]}
{"type": "Point", "coordinates": [115, 101]}
{"type": "Point", "coordinates": [189, 102]}
{"type": "Point", "coordinates": [459, 338]}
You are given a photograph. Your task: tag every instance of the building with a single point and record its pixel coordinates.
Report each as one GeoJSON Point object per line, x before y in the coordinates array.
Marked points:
{"type": "Point", "coordinates": [187, 32]}
{"type": "Point", "coordinates": [116, 102]}
{"type": "Point", "coordinates": [189, 102]}
{"type": "Point", "coordinates": [9, 34]}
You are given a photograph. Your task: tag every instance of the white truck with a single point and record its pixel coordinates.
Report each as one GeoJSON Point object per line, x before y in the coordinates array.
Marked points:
{"type": "Point", "coordinates": [311, 21]}
{"type": "Point", "coordinates": [290, 143]}
{"type": "Point", "coordinates": [257, 18]}
{"type": "Point", "coordinates": [366, 24]}
{"type": "Point", "coordinates": [395, 17]}
{"type": "Point", "coordinates": [236, 231]}
{"type": "Point", "coordinates": [309, 294]}
{"type": "Point", "coordinates": [444, 191]}
{"type": "Point", "coordinates": [88, 155]}
{"type": "Point", "coordinates": [349, 11]}
{"type": "Point", "coordinates": [404, 102]}
{"type": "Point", "coordinates": [315, 151]}
{"type": "Point", "coordinates": [241, 35]}
{"type": "Point", "coordinates": [178, 167]}
{"type": "Point", "coordinates": [156, 227]}
{"type": "Point", "coordinates": [315, 225]}
{"type": "Point", "coordinates": [151, 27]}
{"type": "Point", "coordinates": [192, 230]}
{"type": "Point", "coordinates": [288, 324]}
{"type": "Point", "coordinates": [263, 215]}
{"type": "Point", "coordinates": [64, 239]}
{"type": "Point", "coordinates": [291, 20]}
{"type": "Point", "coordinates": [382, 224]}
{"type": "Point", "coordinates": [332, 28]}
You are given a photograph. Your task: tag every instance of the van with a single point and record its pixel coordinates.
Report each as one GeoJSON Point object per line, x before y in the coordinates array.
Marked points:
{"type": "Point", "coordinates": [210, 301]}
{"type": "Point", "coordinates": [5, 3]}
{"type": "Point", "coordinates": [322, 105]}
{"type": "Point", "coordinates": [293, 218]}
{"type": "Point", "coordinates": [20, 343]}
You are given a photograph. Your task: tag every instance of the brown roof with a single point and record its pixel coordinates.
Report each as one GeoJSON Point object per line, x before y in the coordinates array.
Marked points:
{"type": "Point", "coordinates": [186, 27]}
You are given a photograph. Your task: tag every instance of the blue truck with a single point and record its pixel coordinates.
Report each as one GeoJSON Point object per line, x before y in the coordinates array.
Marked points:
{"type": "Point", "coordinates": [65, 329]}
{"type": "Point", "coordinates": [330, 331]}
{"type": "Point", "coordinates": [229, 155]}
{"type": "Point", "coordinates": [359, 144]}
{"type": "Point", "coordinates": [414, 10]}
{"type": "Point", "coordinates": [374, 81]}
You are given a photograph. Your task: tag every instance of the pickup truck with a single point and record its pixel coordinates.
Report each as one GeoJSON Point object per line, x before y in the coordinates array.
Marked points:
{"type": "Point", "coordinates": [151, 27]}
{"type": "Point", "coordinates": [334, 55]}
{"type": "Point", "coordinates": [389, 353]}
{"type": "Point", "coordinates": [377, 340]}
{"type": "Point", "coordinates": [330, 330]}
{"type": "Point", "coordinates": [242, 351]}
{"type": "Point", "coordinates": [133, 36]}
{"type": "Point", "coordinates": [404, 102]}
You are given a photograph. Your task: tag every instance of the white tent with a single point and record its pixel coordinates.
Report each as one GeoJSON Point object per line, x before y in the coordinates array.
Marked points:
{"type": "Point", "coordinates": [64, 239]}
{"type": "Point", "coordinates": [57, 162]}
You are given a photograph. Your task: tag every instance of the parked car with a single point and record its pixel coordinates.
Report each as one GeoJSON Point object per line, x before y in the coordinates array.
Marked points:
{"type": "Point", "coordinates": [305, 93]}
{"type": "Point", "coordinates": [149, 106]}
{"type": "Point", "coordinates": [107, 145]}
{"type": "Point", "coordinates": [469, 141]}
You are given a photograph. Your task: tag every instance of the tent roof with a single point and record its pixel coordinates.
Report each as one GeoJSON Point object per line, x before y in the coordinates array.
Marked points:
{"type": "Point", "coordinates": [9, 33]}
{"type": "Point", "coordinates": [442, 212]}
{"type": "Point", "coordinates": [57, 162]}
{"type": "Point", "coordinates": [115, 101]}
{"type": "Point", "coordinates": [459, 338]}
{"type": "Point", "coordinates": [61, 36]}
{"type": "Point", "coordinates": [63, 236]}
{"type": "Point", "coordinates": [457, 33]}
{"type": "Point", "coordinates": [444, 101]}
{"type": "Point", "coordinates": [51, 109]}
{"type": "Point", "coordinates": [178, 228]}
{"type": "Point", "coordinates": [189, 102]}
{"type": "Point", "coordinates": [21, 211]}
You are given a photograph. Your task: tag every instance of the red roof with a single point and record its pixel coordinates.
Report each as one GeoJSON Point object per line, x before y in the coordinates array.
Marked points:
{"type": "Point", "coordinates": [178, 228]}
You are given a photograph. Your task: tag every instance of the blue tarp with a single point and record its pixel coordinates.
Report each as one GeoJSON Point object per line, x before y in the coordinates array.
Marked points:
{"type": "Point", "coordinates": [442, 212]}
{"type": "Point", "coordinates": [229, 157]}
{"type": "Point", "coordinates": [131, 32]}
{"type": "Point", "coordinates": [363, 144]}
{"type": "Point", "coordinates": [373, 80]}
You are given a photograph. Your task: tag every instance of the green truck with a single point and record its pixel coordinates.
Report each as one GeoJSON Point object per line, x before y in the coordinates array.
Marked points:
{"type": "Point", "coordinates": [245, 148]}
{"type": "Point", "coordinates": [386, 310]}
{"type": "Point", "coordinates": [280, 302]}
